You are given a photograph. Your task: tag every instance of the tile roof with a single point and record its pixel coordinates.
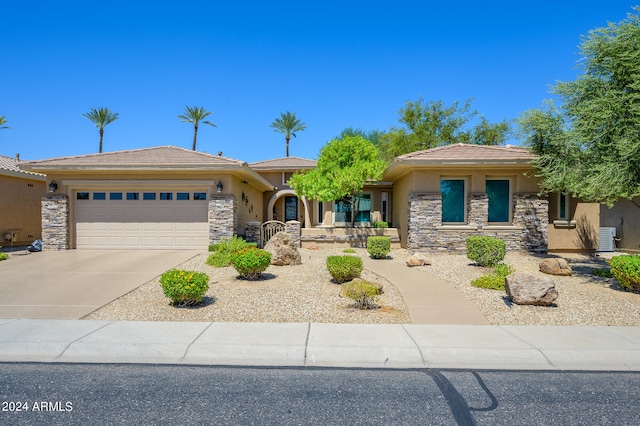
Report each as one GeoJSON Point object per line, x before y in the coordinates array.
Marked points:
{"type": "Point", "coordinates": [9, 166]}
{"type": "Point", "coordinates": [469, 153]}
{"type": "Point", "coordinates": [284, 163]}
{"type": "Point", "coordinates": [145, 158]}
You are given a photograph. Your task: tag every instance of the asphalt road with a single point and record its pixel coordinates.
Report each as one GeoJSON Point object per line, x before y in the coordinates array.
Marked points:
{"type": "Point", "coordinates": [40, 394]}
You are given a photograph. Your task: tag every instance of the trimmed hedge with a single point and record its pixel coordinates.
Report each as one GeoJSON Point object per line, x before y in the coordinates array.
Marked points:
{"type": "Point", "coordinates": [184, 287]}
{"type": "Point", "coordinates": [363, 293]}
{"type": "Point", "coordinates": [380, 225]}
{"type": "Point", "coordinates": [378, 246]}
{"type": "Point", "coordinates": [250, 262]}
{"type": "Point", "coordinates": [344, 268]}
{"type": "Point", "coordinates": [626, 269]}
{"type": "Point", "coordinates": [224, 249]}
{"type": "Point", "coordinates": [486, 251]}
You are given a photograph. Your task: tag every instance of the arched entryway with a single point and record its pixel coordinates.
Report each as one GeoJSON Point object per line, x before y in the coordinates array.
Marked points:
{"type": "Point", "coordinates": [288, 193]}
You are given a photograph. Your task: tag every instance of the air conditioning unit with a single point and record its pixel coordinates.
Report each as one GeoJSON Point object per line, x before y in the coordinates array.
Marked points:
{"type": "Point", "coordinates": [607, 239]}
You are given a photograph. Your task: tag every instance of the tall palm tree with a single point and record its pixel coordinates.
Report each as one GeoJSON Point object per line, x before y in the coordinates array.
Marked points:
{"type": "Point", "coordinates": [3, 121]}
{"type": "Point", "coordinates": [195, 115]}
{"type": "Point", "coordinates": [101, 117]}
{"type": "Point", "coordinates": [288, 124]}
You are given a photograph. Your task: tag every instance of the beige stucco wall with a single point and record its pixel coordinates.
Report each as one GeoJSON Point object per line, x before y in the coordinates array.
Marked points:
{"type": "Point", "coordinates": [20, 209]}
{"type": "Point", "coordinates": [250, 207]}
{"type": "Point", "coordinates": [580, 232]}
{"type": "Point", "coordinates": [625, 217]}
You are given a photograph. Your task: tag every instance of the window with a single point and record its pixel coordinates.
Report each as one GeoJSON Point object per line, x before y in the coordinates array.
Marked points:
{"type": "Point", "coordinates": [82, 196]}
{"type": "Point", "coordinates": [133, 196]}
{"type": "Point", "coordinates": [564, 206]}
{"type": "Point", "coordinates": [166, 195]}
{"type": "Point", "coordinates": [99, 196]}
{"type": "Point", "coordinates": [181, 196]}
{"type": "Point", "coordinates": [454, 200]}
{"type": "Point", "coordinates": [499, 194]}
{"type": "Point", "coordinates": [115, 195]}
{"type": "Point", "coordinates": [148, 195]}
{"type": "Point", "coordinates": [199, 195]}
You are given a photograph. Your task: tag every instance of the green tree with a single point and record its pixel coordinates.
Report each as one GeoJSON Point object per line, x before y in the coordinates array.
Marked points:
{"type": "Point", "coordinates": [344, 166]}
{"type": "Point", "coordinates": [590, 145]}
{"type": "Point", "coordinates": [372, 136]}
{"type": "Point", "coordinates": [101, 117]}
{"type": "Point", "coordinates": [289, 125]}
{"type": "Point", "coordinates": [195, 115]}
{"type": "Point", "coordinates": [432, 123]}
{"type": "Point", "coordinates": [3, 121]}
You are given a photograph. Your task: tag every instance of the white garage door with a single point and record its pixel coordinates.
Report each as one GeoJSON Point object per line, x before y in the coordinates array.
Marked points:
{"type": "Point", "coordinates": [141, 220]}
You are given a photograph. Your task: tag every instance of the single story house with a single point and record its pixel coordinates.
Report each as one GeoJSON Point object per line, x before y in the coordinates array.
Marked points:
{"type": "Point", "coordinates": [20, 195]}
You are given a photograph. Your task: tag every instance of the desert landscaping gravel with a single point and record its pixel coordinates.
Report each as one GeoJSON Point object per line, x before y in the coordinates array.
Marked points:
{"type": "Point", "coordinates": [306, 293]}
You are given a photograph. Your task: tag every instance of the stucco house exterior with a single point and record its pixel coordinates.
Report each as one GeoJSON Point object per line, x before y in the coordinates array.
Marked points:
{"type": "Point", "coordinates": [20, 195]}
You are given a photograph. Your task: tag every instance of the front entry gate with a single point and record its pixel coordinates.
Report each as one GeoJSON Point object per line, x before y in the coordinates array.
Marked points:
{"type": "Point", "coordinates": [269, 229]}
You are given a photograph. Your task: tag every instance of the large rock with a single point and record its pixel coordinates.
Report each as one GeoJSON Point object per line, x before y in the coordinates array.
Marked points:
{"type": "Point", "coordinates": [418, 259]}
{"type": "Point", "coordinates": [283, 250]}
{"type": "Point", "coordinates": [527, 289]}
{"type": "Point", "coordinates": [555, 266]}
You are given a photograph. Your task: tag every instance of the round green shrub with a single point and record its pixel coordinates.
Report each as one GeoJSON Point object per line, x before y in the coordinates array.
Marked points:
{"type": "Point", "coordinates": [349, 250]}
{"type": "Point", "coordinates": [378, 246]}
{"type": "Point", "coordinates": [250, 262]}
{"type": "Point", "coordinates": [494, 281]}
{"type": "Point", "coordinates": [626, 269]}
{"type": "Point", "coordinates": [4, 256]}
{"type": "Point", "coordinates": [380, 225]}
{"type": "Point", "coordinates": [344, 268]}
{"type": "Point", "coordinates": [222, 251]}
{"type": "Point", "coordinates": [184, 287]}
{"type": "Point", "coordinates": [486, 251]}
{"type": "Point", "coordinates": [363, 293]}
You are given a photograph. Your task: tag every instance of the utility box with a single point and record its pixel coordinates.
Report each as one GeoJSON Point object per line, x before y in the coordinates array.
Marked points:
{"type": "Point", "coordinates": [607, 239]}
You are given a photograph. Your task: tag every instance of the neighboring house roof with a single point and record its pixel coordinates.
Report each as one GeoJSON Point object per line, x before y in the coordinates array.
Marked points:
{"type": "Point", "coordinates": [460, 154]}
{"type": "Point", "coordinates": [284, 163]}
{"type": "Point", "coordinates": [10, 167]}
{"type": "Point", "coordinates": [149, 159]}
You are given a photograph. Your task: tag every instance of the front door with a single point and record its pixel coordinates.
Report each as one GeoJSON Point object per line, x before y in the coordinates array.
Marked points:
{"type": "Point", "coordinates": [290, 208]}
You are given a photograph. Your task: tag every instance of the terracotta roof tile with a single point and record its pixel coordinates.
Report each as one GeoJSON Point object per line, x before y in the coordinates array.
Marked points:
{"type": "Point", "coordinates": [284, 163]}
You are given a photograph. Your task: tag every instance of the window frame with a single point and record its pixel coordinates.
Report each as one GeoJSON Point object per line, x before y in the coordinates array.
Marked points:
{"type": "Point", "coordinates": [567, 206]}
{"type": "Point", "coordinates": [465, 202]}
{"type": "Point", "coordinates": [510, 211]}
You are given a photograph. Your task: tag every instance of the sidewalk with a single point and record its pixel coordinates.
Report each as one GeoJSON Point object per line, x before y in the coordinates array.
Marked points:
{"type": "Point", "coordinates": [322, 345]}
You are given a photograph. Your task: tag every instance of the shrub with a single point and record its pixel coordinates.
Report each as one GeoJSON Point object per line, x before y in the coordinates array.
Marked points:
{"type": "Point", "coordinates": [4, 256]}
{"type": "Point", "coordinates": [380, 224]}
{"type": "Point", "coordinates": [344, 268]}
{"type": "Point", "coordinates": [486, 251]}
{"type": "Point", "coordinates": [224, 249]}
{"type": "Point", "coordinates": [626, 269]}
{"type": "Point", "coordinates": [494, 281]}
{"type": "Point", "coordinates": [602, 273]}
{"type": "Point", "coordinates": [378, 246]}
{"type": "Point", "coordinates": [184, 287]}
{"type": "Point", "coordinates": [363, 293]}
{"type": "Point", "coordinates": [349, 250]}
{"type": "Point", "coordinates": [250, 262]}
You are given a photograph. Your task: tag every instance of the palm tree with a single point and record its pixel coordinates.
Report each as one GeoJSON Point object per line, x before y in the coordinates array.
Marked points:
{"type": "Point", "coordinates": [195, 115]}
{"type": "Point", "coordinates": [2, 122]}
{"type": "Point", "coordinates": [288, 124]}
{"type": "Point", "coordinates": [101, 117]}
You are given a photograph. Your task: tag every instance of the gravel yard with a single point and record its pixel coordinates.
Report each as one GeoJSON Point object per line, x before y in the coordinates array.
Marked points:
{"type": "Point", "coordinates": [305, 293]}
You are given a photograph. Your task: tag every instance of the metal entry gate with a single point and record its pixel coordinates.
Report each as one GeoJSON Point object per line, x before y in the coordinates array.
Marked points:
{"type": "Point", "coordinates": [269, 229]}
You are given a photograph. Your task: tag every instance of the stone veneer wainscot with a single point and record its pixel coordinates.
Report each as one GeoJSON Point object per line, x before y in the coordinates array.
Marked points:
{"type": "Point", "coordinates": [55, 222]}
{"type": "Point", "coordinates": [223, 214]}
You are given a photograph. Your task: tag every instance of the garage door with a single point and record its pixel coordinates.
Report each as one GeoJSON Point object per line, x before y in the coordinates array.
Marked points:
{"type": "Point", "coordinates": [141, 220]}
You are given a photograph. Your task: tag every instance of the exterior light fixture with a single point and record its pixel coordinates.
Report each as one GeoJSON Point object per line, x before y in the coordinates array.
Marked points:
{"type": "Point", "coordinates": [219, 186]}
{"type": "Point", "coordinates": [53, 186]}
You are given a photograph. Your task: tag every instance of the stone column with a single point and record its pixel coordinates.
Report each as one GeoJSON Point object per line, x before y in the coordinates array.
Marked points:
{"type": "Point", "coordinates": [425, 215]}
{"type": "Point", "coordinates": [252, 232]}
{"type": "Point", "coordinates": [223, 217]}
{"type": "Point", "coordinates": [293, 229]}
{"type": "Point", "coordinates": [55, 222]}
{"type": "Point", "coordinates": [532, 212]}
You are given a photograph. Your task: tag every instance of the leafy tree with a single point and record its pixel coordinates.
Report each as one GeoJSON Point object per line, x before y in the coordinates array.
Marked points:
{"type": "Point", "coordinates": [590, 145]}
{"type": "Point", "coordinates": [195, 115]}
{"type": "Point", "coordinates": [288, 124]}
{"type": "Point", "coordinates": [101, 117]}
{"type": "Point", "coordinates": [344, 166]}
{"type": "Point", "coordinates": [430, 124]}
{"type": "Point", "coordinates": [3, 121]}
{"type": "Point", "coordinates": [372, 136]}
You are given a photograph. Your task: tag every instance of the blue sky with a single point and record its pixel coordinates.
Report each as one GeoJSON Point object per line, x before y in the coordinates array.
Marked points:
{"type": "Point", "coordinates": [337, 64]}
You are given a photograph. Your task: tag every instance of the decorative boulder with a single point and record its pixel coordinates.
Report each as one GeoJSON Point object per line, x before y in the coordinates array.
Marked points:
{"type": "Point", "coordinates": [555, 266]}
{"type": "Point", "coordinates": [527, 289]}
{"type": "Point", "coordinates": [283, 250]}
{"type": "Point", "coordinates": [418, 259]}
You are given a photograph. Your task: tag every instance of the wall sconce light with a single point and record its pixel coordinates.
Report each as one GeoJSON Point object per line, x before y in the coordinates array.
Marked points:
{"type": "Point", "coordinates": [53, 186]}
{"type": "Point", "coordinates": [243, 195]}
{"type": "Point", "coordinates": [219, 186]}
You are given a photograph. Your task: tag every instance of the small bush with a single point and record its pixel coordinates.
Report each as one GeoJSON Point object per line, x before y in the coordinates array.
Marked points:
{"type": "Point", "coordinates": [344, 268]}
{"type": "Point", "coordinates": [380, 225]}
{"type": "Point", "coordinates": [184, 287]}
{"type": "Point", "coordinates": [378, 246]}
{"type": "Point", "coordinates": [224, 249]}
{"type": "Point", "coordinates": [486, 251]}
{"type": "Point", "coordinates": [250, 262]}
{"type": "Point", "coordinates": [626, 269]}
{"type": "Point", "coordinates": [602, 273]}
{"type": "Point", "coordinates": [349, 250]}
{"type": "Point", "coordinates": [4, 256]}
{"type": "Point", "coordinates": [363, 293]}
{"type": "Point", "coordinates": [494, 281]}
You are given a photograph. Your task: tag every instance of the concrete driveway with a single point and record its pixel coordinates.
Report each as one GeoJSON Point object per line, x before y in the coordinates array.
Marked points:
{"type": "Point", "coordinates": [73, 283]}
